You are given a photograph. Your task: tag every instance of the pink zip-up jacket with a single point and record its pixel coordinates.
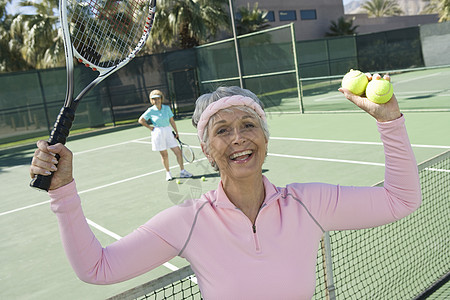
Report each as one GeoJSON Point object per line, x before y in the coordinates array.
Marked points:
{"type": "Point", "coordinates": [232, 259]}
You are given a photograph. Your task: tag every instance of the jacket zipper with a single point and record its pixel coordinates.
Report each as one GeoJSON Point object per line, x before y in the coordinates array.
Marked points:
{"type": "Point", "coordinates": [255, 238]}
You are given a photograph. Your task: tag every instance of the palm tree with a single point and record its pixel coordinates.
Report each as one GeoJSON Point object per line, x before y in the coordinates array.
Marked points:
{"type": "Point", "coordinates": [441, 7]}
{"type": "Point", "coordinates": [4, 36]}
{"type": "Point", "coordinates": [188, 23]}
{"type": "Point", "coordinates": [382, 8]}
{"type": "Point", "coordinates": [30, 40]}
{"type": "Point", "coordinates": [3, 13]}
{"type": "Point", "coordinates": [11, 58]}
{"type": "Point", "coordinates": [42, 43]}
{"type": "Point", "coordinates": [251, 20]}
{"type": "Point", "coordinates": [342, 27]}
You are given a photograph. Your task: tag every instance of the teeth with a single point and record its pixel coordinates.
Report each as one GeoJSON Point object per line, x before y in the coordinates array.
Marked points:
{"type": "Point", "coordinates": [235, 155]}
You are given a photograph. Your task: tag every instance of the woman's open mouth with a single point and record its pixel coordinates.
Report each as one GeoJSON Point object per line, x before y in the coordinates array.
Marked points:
{"type": "Point", "coordinates": [241, 156]}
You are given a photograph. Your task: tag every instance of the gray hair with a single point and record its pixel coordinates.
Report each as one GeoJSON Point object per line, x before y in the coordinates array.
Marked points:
{"type": "Point", "coordinates": [206, 99]}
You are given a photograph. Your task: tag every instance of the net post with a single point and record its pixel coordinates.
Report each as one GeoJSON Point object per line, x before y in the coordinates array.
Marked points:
{"type": "Point", "coordinates": [328, 267]}
{"type": "Point", "coordinates": [297, 75]}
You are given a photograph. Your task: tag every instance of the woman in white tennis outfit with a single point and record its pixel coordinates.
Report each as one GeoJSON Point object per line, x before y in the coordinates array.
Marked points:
{"type": "Point", "coordinates": [161, 118]}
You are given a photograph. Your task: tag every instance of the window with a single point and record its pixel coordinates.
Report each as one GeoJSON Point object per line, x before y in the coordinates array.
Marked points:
{"type": "Point", "coordinates": [288, 15]}
{"type": "Point", "coordinates": [308, 14]}
{"type": "Point", "coordinates": [270, 16]}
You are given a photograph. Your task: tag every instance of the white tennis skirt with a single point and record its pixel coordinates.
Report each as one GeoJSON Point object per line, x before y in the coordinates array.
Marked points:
{"type": "Point", "coordinates": [163, 139]}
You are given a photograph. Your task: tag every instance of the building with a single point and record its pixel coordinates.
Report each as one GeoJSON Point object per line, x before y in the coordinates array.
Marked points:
{"type": "Point", "coordinates": [312, 18]}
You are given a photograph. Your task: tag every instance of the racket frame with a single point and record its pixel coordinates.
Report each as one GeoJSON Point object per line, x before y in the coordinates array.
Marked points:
{"type": "Point", "coordinates": [64, 121]}
{"type": "Point", "coordinates": [186, 146]}
{"type": "Point", "coordinates": [104, 72]}
{"type": "Point", "coordinates": [68, 50]}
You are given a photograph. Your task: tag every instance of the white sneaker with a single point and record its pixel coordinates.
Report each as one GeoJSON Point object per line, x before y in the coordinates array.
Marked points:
{"type": "Point", "coordinates": [168, 176]}
{"type": "Point", "coordinates": [185, 174]}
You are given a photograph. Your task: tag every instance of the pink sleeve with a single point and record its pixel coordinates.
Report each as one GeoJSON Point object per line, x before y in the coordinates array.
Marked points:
{"type": "Point", "coordinates": [347, 207]}
{"type": "Point", "coordinates": [134, 254]}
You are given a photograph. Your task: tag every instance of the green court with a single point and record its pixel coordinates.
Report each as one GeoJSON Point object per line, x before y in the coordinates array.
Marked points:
{"type": "Point", "coordinates": [122, 184]}
{"type": "Point", "coordinates": [422, 89]}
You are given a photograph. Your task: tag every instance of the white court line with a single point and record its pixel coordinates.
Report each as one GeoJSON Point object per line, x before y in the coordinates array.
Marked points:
{"type": "Point", "coordinates": [118, 237]}
{"type": "Point", "coordinates": [103, 229]}
{"type": "Point", "coordinates": [141, 142]}
{"type": "Point", "coordinates": [341, 142]}
{"type": "Point", "coordinates": [338, 98]}
{"type": "Point", "coordinates": [353, 142]}
{"type": "Point", "coordinates": [23, 208]}
{"type": "Point", "coordinates": [328, 159]}
{"type": "Point", "coordinates": [91, 150]}
{"type": "Point", "coordinates": [421, 92]}
{"type": "Point", "coordinates": [121, 181]}
{"type": "Point", "coordinates": [416, 78]}
{"type": "Point", "coordinates": [437, 170]}
{"type": "Point", "coordinates": [12, 168]}
{"type": "Point", "coordinates": [131, 178]}
{"type": "Point", "coordinates": [109, 146]}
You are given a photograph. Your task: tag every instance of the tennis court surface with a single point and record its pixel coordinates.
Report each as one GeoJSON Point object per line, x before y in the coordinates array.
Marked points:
{"type": "Point", "coordinates": [122, 184]}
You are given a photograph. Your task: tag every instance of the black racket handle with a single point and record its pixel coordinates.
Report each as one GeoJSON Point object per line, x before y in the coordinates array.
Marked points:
{"type": "Point", "coordinates": [175, 136]}
{"type": "Point", "coordinates": [59, 134]}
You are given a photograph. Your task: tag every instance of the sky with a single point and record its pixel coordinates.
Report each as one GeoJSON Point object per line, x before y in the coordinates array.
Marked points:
{"type": "Point", "coordinates": [13, 8]}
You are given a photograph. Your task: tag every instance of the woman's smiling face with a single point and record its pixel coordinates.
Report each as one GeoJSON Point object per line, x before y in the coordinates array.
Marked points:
{"type": "Point", "coordinates": [237, 143]}
{"type": "Point", "coordinates": [156, 101]}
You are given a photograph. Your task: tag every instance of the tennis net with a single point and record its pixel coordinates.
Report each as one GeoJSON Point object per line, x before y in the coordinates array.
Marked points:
{"type": "Point", "coordinates": [403, 259]}
{"type": "Point", "coordinates": [407, 259]}
{"type": "Point", "coordinates": [180, 284]}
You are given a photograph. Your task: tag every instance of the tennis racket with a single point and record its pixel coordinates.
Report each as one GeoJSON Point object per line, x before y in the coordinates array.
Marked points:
{"type": "Point", "coordinates": [104, 35]}
{"type": "Point", "coordinates": [186, 150]}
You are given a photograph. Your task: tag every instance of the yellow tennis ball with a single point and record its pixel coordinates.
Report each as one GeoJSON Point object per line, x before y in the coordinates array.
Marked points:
{"type": "Point", "coordinates": [379, 91]}
{"type": "Point", "coordinates": [355, 81]}
{"type": "Point", "coordinates": [178, 181]}
{"type": "Point", "coordinates": [203, 178]}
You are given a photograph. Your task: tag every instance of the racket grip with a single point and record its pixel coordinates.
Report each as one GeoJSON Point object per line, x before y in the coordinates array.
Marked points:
{"type": "Point", "coordinates": [59, 134]}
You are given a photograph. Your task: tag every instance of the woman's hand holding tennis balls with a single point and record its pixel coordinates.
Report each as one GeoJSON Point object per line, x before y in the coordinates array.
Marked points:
{"type": "Point", "coordinates": [44, 162]}
{"type": "Point", "coordinates": [383, 112]}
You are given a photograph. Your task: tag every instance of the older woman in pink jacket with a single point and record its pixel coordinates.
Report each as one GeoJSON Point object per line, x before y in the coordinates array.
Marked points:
{"type": "Point", "coordinates": [247, 236]}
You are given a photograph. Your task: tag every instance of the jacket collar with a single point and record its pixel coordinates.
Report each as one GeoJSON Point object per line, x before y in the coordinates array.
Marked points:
{"type": "Point", "coordinates": [219, 199]}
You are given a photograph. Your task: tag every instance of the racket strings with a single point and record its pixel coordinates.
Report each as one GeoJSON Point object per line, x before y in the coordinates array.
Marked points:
{"type": "Point", "coordinates": [134, 28]}
{"type": "Point", "coordinates": [187, 152]}
{"type": "Point", "coordinates": [105, 32]}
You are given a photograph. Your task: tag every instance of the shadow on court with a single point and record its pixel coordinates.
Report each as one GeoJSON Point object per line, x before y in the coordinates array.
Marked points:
{"type": "Point", "coordinates": [14, 159]}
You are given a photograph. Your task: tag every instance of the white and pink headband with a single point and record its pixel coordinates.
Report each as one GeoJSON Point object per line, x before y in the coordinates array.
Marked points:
{"type": "Point", "coordinates": [226, 102]}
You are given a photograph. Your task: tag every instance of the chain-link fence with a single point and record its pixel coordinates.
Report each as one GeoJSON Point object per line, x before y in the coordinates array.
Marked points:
{"type": "Point", "coordinates": [30, 101]}
{"type": "Point", "coordinates": [268, 67]}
